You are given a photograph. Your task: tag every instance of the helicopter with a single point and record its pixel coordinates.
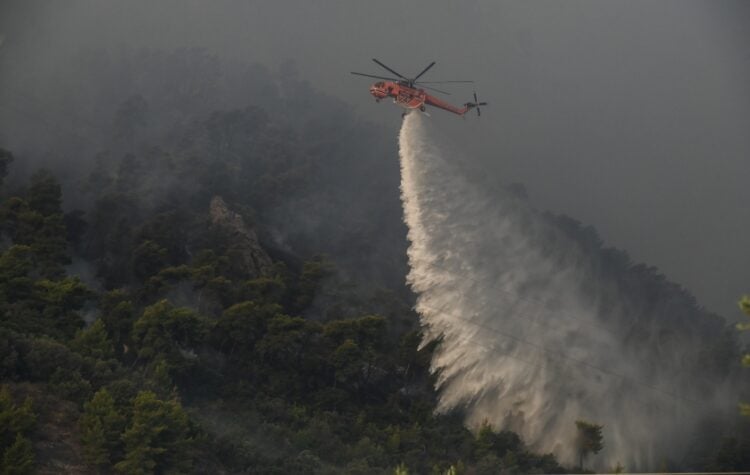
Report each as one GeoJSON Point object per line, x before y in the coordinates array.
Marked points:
{"type": "Point", "coordinates": [410, 94]}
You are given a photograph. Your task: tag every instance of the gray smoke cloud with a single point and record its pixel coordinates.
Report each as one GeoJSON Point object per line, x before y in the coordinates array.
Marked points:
{"type": "Point", "coordinates": [643, 106]}
{"type": "Point", "coordinates": [527, 341]}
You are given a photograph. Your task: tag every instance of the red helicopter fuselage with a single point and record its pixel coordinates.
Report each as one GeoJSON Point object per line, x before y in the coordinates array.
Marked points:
{"type": "Point", "coordinates": [412, 98]}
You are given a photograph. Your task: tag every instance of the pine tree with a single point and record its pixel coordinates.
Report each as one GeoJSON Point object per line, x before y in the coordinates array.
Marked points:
{"type": "Point", "coordinates": [14, 419]}
{"type": "Point", "coordinates": [101, 427]}
{"type": "Point", "coordinates": [94, 341]}
{"type": "Point", "coordinates": [45, 194]}
{"type": "Point", "coordinates": [158, 438]}
{"type": "Point", "coordinates": [18, 459]}
{"type": "Point", "coordinates": [589, 439]}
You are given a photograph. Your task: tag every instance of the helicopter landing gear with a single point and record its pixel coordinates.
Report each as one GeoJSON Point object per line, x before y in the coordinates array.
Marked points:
{"type": "Point", "coordinates": [422, 108]}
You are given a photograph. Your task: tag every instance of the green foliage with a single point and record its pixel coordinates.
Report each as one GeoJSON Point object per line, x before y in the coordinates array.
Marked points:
{"type": "Point", "coordinates": [170, 332]}
{"type": "Point", "coordinates": [45, 194]}
{"type": "Point", "coordinates": [18, 459]}
{"type": "Point", "coordinates": [118, 316]}
{"type": "Point", "coordinates": [93, 342]}
{"type": "Point", "coordinates": [344, 394]}
{"type": "Point", "coordinates": [101, 427]}
{"type": "Point", "coordinates": [45, 356]}
{"type": "Point", "coordinates": [15, 422]}
{"type": "Point", "coordinates": [313, 273]}
{"type": "Point", "coordinates": [497, 443]}
{"type": "Point", "coordinates": [38, 224]}
{"type": "Point", "coordinates": [242, 326]}
{"type": "Point", "coordinates": [16, 263]}
{"type": "Point", "coordinates": [148, 258]}
{"type": "Point", "coordinates": [264, 289]}
{"type": "Point", "coordinates": [70, 385]}
{"type": "Point", "coordinates": [158, 438]}
{"type": "Point", "coordinates": [62, 296]}
{"type": "Point", "coordinates": [14, 419]}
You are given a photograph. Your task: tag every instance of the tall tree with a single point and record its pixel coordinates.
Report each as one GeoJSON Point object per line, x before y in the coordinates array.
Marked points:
{"type": "Point", "coordinates": [589, 439]}
{"type": "Point", "coordinates": [101, 426]}
{"type": "Point", "coordinates": [158, 439]}
{"type": "Point", "coordinates": [45, 194]}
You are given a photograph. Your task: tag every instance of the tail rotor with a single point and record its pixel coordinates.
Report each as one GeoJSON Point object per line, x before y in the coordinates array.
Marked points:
{"type": "Point", "coordinates": [475, 104]}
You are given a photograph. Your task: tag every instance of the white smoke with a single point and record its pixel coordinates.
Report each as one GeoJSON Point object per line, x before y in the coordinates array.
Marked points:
{"type": "Point", "coordinates": [525, 343]}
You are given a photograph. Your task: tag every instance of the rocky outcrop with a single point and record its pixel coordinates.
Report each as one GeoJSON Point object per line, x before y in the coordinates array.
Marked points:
{"type": "Point", "coordinates": [242, 241]}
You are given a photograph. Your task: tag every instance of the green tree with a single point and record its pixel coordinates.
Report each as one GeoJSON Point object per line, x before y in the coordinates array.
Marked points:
{"type": "Point", "coordinates": [18, 459]}
{"type": "Point", "coordinates": [14, 419]}
{"type": "Point", "coordinates": [101, 427]}
{"type": "Point", "coordinates": [148, 258]}
{"type": "Point", "coordinates": [242, 325]}
{"type": "Point", "coordinates": [168, 331]}
{"type": "Point", "coordinates": [589, 439]}
{"type": "Point", "coordinates": [94, 342]}
{"type": "Point", "coordinates": [59, 301]}
{"type": "Point", "coordinates": [158, 439]}
{"type": "Point", "coordinates": [15, 266]}
{"type": "Point", "coordinates": [70, 385]}
{"type": "Point", "coordinates": [49, 238]}
{"type": "Point", "coordinates": [118, 317]}
{"type": "Point", "coordinates": [45, 194]}
{"type": "Point", "coordinates": [45, 234]}
{"type": "Point", "coordinates": [15, 422]}
{"type": "Point", "coordinates": [313, 273]}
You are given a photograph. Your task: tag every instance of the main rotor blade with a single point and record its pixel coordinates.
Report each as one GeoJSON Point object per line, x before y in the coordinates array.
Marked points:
{"type": "Point", "coordinates": [436, 90]}
{"type": "Point", "coordinates": [443, 82]}
{"type": "Point", "coordinates": [423, 71]}
{"type": "Point", "coordinates": [376, 77]}
{"type": "Point", "coordinates": [389, 69]}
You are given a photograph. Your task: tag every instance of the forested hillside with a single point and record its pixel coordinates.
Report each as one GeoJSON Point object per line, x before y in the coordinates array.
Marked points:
{"type": "Point", "coordinates": [202, 271]}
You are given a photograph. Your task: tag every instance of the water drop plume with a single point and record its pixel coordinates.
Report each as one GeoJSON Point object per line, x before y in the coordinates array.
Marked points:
{"type": "Point", "coordinates": [531, 337]}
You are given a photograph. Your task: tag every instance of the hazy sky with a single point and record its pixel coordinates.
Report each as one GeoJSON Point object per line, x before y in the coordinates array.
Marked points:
{"type": "Point", "coordinates": [632, 116]}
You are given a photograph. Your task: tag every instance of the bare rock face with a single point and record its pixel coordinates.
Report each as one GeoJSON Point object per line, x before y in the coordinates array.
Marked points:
{"type": "Point", "coordinates": [242, 240]}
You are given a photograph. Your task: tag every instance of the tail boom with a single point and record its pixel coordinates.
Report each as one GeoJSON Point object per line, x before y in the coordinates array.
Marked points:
{"type": "Point", "coordinates": [435, 102]}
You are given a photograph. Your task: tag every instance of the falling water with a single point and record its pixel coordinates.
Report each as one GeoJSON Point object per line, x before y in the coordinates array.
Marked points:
{"type": "Point", "coordinates": [525, 345]}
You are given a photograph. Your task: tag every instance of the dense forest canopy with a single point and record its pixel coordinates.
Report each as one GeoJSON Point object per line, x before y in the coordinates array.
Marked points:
{"type": "Point", "coordinates": [195, 283]}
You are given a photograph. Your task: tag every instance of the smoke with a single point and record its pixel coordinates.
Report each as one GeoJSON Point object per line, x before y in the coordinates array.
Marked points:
{"type": "Point", "coordinates": [529, 340]}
